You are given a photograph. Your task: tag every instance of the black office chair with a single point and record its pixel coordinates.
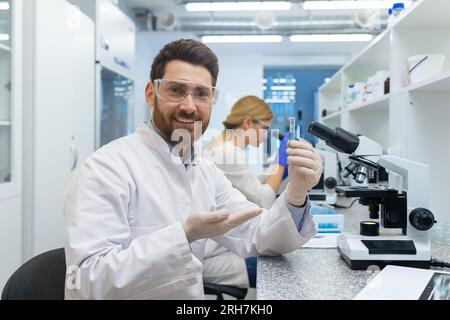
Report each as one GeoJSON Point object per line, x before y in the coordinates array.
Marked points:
{"type": "Point", "coordinates": [219, 290]}
{"type": "Point", "coordinates": [43, 278]}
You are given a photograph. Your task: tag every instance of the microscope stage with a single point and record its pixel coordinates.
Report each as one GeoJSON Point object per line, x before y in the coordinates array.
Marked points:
{"type": "Point", "coordinates": [367, 191]}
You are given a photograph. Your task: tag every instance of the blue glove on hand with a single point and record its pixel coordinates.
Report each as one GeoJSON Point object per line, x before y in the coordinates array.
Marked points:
{"type": "Point", "coordinates": [281, 158]}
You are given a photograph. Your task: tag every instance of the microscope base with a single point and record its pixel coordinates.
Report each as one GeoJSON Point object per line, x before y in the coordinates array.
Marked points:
{"type": "Point", "coordinates": [361, 252]}
{"type": "Point", "coordinates": [365, 264]}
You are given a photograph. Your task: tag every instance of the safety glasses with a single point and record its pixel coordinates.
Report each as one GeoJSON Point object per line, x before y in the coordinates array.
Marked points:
{"type": "Point", "coordinates": [176, 91]}
{"type": "Point", "coordinates": [264, 126]}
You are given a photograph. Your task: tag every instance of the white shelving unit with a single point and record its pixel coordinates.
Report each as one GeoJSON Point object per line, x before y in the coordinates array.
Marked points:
{"type": "Point", "coordinates": [438, 83]}
{"type": "Point", "coordinates": [381, 104]}
{"type": "Point", "coordinates": [10, 113]}
{"type": "Point", "coordinates": [11, 124]}
{"type": "Point", "coordinates": [412, 118]}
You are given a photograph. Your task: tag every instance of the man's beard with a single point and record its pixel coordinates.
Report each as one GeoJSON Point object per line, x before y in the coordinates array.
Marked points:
{"type": "Point", "coordinates": [164, 125]}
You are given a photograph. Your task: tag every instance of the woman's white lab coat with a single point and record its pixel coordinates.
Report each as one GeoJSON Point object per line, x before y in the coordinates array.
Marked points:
{"type": "Point", "coordinates": [124, 211]}
{"type": "Point", "coordinates": [220, 265]}
{"type": "Point", "coordinates": [232, 161]}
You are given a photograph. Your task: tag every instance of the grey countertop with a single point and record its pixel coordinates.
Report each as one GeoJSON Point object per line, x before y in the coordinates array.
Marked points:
{"type": "Point", "coordinates": [310, 274]}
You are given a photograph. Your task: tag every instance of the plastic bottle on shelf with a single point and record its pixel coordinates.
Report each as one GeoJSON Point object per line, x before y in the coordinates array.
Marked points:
{"type": "Point", "coordinates": [390, 17]}
{"type": "Point", "coordinates": [398, 9]}
{"type": "Point", "coordinates": [350, 95]}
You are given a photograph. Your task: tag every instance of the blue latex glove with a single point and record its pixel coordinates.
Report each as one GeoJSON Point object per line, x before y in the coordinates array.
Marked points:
{"type": "Point", "coordinates": [281, 158]}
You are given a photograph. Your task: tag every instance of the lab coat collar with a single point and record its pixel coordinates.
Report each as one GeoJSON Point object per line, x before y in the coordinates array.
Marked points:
{"type": "Point", "coordinates": [155, 141]}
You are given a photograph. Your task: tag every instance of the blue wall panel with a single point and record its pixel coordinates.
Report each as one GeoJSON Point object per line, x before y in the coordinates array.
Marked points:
{"type": "Point", "coordinates": [307, 82]}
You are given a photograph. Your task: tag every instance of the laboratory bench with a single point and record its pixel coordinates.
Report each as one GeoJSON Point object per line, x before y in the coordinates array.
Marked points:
{"type": "Point", "coordinates": [321, 274]}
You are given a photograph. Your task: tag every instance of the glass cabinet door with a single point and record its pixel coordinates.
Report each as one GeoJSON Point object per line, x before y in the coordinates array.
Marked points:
{"type": "Point", "coordinates": [5, 91]}
{"type": "Point", "coordinates": [117, 93]}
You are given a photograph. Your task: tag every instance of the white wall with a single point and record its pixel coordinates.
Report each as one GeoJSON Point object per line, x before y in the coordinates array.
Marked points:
{"type": "Point", "coordinates": [237, 78]}
{"type": "Point", "coordinates": [148, 45]}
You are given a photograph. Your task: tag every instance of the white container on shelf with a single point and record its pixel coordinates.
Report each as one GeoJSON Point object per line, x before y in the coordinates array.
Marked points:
{"type": "Point", "coordinates": [378, 83]}
{"type": "Point", "coordinates": [425, 66]}
{"type": "Point", "coordinates": [358, 93]}
{"type": "Point", "coordinates": [368, 92]}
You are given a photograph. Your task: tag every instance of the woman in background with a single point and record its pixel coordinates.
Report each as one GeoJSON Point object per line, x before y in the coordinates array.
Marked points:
{"type": "Point", "coordinates": [250, 120]}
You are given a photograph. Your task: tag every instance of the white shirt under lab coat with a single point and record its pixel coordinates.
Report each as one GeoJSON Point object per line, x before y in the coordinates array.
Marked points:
{"type": "Point", "coordinates": [124, 211]}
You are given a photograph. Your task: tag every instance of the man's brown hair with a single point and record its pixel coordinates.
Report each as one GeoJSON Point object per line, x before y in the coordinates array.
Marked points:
{"type": "Point", "coordinates": [187, 50]}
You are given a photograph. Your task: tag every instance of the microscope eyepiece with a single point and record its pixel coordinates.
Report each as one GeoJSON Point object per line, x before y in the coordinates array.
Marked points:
{"type": "Point", "coordinates": [339, 139]}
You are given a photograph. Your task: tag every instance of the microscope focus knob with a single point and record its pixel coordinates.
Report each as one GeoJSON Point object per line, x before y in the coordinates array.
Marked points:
{"type": "Point", "coordinates": [422, 219]}
{"type": "Point", "coordinates": [330, 183]}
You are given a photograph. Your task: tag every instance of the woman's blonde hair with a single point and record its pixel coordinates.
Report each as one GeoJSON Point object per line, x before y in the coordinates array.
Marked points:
{"type": "Point", "coordinates": [248, 106]}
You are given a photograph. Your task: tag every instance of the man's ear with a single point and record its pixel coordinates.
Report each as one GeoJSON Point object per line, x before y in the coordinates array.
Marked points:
{"type": "Point", "coordinates": [150, 94]}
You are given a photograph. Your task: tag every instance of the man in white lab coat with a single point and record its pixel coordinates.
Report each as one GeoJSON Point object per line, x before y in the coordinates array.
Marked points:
{"type": "Point", "coordinates": [139, 210]}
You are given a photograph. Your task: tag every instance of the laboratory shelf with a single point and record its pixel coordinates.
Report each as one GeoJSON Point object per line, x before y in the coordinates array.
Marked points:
{"type": "Point", "coordinates": [438, 83]}
{"type": "Point", "coordinates": [5, 123]}
{"type": "Point", "coordinates": [374, 56]}
{"type": "Point", "coordinates": [4, 48]}
{"type": "Point", "coordinates": [422, 13]}
{"type": "Point", "coordinates": [424, 28]}
{"type": "Point", "coordinates": [371, 59]}
{"type": "Point", "coordinates": [426, 13]}
{"type": "Point", "coordinates": [333, 116]}
{"type": "Point", "coordinates": [379, 104]}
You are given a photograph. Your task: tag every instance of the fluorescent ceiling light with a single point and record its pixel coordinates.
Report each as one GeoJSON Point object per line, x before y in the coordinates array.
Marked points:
{"type": "Point", "coordinates": [4, 37]}
{"type": "Point", "coordinates": [330, 37]}
{"type": "Point", "coordinates": [283, 88]}
{"type": "Point", "coordinates": [351, 5]}
{"type": "Point", "coordinates": [239, 6]}
{"type": "Point", "coordinates": [278, 100]}
{"type": "Point", "coordinates": [242, 39]}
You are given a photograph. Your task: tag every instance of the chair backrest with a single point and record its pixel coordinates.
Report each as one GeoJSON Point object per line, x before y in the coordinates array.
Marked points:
{"type": "Point", "coordinates": [41, 278]}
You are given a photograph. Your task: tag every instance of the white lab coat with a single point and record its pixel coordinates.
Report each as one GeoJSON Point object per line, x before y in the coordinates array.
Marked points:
{"type": "Point", "coordinates": [220, 264]}
{"type": "Point", "coordinates": [124, 211]}
{"type": "Point", "coordinates": [232, 161]}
